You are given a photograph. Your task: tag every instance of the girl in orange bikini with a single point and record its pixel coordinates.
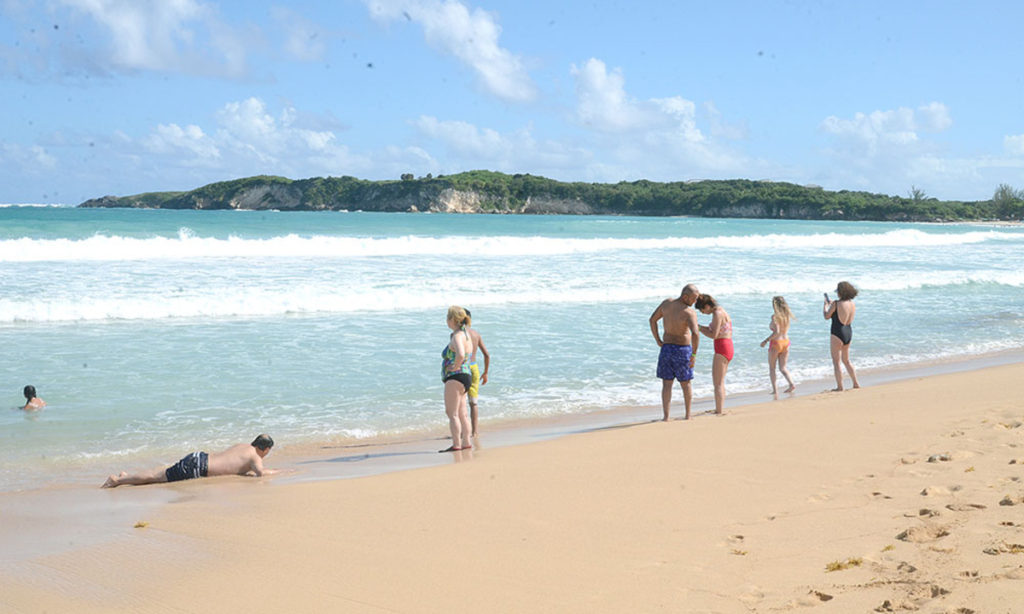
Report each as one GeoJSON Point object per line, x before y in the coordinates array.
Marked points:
{"type": "Point", "coordinates": [778, 342]}
{"type": "Point", "coordinates": [720, 330]}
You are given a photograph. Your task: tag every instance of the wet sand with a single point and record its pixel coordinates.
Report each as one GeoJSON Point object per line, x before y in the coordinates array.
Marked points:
{"type": "Point", "coordinates": [746, 512]}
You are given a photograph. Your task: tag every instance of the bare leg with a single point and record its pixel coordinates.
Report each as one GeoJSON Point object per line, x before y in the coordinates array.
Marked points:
{"type": "Point", "coordinates": [773, 355]}
{"type": "Point", "coordinates": [472, 415]}
{"type": "Point", "coordinates": [464, 420]}
{"type": "Point", "coordinates": [687, 396]}
{"type": "Point", "coordinates": [148, 477]}
{"type": "Point", "coordinates": [452, 390]}
{"type": "Point", "coordinates": [849, 366]}
{"type": "Point", "coordinates": [783, 358]}
{"type": "Point", "coordinates": [836, 348]}
{"type": "Point", "coordinates": [718, 369]}
{"type": "Point", "coordinates": [666, 397]}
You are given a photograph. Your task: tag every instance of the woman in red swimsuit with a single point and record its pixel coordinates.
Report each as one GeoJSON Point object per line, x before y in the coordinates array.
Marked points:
{"type": "Point", "coordinates": [720, 330]}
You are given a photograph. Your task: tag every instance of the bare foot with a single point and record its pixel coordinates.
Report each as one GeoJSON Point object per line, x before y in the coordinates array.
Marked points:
{"type": "Point", "coordinates": [856, 385]}
{"type": "Point", "coordinates": [114, 480]}
{"type": "Point", "coordinates": [790, 389]}
{"type": "Point", "coordinates": [836, 390]}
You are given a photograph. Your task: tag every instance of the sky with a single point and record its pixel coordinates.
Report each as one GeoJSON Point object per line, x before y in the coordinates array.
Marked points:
{"type": "Point", "coordinates": [121, 97]}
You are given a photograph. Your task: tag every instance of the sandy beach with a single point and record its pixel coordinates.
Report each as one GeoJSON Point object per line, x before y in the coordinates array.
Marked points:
{"type": "Point", "coordinates": [902, 496]}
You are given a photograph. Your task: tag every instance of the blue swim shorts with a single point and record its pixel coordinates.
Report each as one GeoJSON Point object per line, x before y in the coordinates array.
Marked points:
{"type": "Point", "coordinates": [674, 362]}
{"type": "Point", "coordinates": [192, 466]}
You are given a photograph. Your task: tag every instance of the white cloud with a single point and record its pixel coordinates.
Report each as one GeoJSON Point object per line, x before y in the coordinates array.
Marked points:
{"type": "Point", "coordinates": [604, 105]}
{"type": "Point", "coordinates": [172, 138]}
{"type": "Point", "coordinates": [20, 159]}
{"type": "Point", "coordinates": [167, 35]}
{"type": "Point", "coordinates": [1014, 144]}
{"type": "Point", "coordinates": [249, 138]}
{"type": "Point", "coordinates": [469, 36]}
{"type": "Point", "coordinates": [879, 132]}
{"type": "Point", "coordinates": [42, 158]}
{"type": "Point", "coordinates": [515, 152]}
{"type": "Point", "coordinates": [721, 128]}
{"type": "Point", "coordinates": [655, 138]}
{"type": "Point", "coordinates": [933, 117]}
{"type": "Point", "coordinates": [464, 137]}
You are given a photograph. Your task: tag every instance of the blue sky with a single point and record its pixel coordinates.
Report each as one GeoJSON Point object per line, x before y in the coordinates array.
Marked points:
{"type": "Point", "coordinates": [126, 96]}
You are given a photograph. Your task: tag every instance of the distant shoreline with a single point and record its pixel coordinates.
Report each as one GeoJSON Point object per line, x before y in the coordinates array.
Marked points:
{"type": "Point", "coordinates": [499, 193]}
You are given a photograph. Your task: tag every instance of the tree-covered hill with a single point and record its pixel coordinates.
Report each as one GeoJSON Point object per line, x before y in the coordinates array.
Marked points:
{"type": "Point", "coordinates": [493, 192]}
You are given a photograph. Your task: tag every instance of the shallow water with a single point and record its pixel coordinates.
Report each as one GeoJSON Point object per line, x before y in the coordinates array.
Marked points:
{"type": "Point", "coordinates": [151, 333]}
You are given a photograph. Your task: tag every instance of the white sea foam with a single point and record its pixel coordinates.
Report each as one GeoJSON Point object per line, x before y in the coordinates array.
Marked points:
{"type": "Point", "coordinates": [188, 246]}
{"type": "Point", "coordinates": [156, 303]}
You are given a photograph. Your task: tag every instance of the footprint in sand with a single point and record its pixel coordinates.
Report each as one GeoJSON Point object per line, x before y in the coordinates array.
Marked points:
{"type": "Point", "coordinates": [933, 491]}
{"type": "Point", "coordinates": [1008, 500]}
{"type": "Point", "coordinates": [965, 507]}
{"type": "Point", "coordinates": [1014, 574]}
{"type": "Point", "coordinates": [920, 535]}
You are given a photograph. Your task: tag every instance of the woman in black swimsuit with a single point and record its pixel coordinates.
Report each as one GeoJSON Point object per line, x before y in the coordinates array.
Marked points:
{"type": "Point", "coordinates": [841, 312]}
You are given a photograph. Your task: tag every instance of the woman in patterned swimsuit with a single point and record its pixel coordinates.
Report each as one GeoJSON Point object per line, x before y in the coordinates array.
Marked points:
{"type": "Point", "coordinates": [457, 378]}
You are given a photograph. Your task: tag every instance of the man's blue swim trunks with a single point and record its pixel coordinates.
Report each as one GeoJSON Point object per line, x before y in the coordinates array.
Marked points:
{"type": "Point", "coordinates": [674, 362]}
{"type": "Point", "coordinates": [192, 466]}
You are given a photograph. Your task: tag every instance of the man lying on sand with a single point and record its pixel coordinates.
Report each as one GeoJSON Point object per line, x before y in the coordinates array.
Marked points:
{"type": "Point", "coordinates": [239, 459]}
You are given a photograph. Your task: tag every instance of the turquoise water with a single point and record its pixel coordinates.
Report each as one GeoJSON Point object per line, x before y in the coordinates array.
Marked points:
{"type": "Point", "coordinates": [152, 333]}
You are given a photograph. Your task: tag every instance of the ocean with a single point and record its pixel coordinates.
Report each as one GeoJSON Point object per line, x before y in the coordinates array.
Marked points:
{"type": "Point", "coordinates": [153, 333]}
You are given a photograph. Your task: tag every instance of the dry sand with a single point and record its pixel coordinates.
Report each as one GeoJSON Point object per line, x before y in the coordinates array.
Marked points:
{"type": "Point", "coordinates": [742, 513]}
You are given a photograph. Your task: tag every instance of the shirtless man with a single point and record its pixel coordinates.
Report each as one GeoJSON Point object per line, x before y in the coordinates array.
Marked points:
{"type": "Point", "coordinates": [478, 378]}
{"type": "Point", "coordinates": [675, 362]}
{"type": "Point", "coordinates": [239, 459]}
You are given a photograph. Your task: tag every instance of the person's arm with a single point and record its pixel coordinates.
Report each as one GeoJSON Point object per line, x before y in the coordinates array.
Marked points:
{"type": "Point", "coordinates": [829, 308]}
{"type": "Point", "coordinates": [256, 467]}
{"type": "Point", "coordinates": [654, 324]}
{"type": "Point", "coordinates": [461, 351]}
{"type": "Point", "coordinates": [487, 361]}
{"type": "Point", "coordinates": [694, 336]}
{"type": "Point", "coordinates": [712, 329]}
{"type": "Point", "coordinates": [775, 332]}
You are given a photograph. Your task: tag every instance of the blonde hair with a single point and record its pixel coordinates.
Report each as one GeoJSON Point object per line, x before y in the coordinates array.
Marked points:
{"type": "Point", "coordinates": [458, 315]}
{"type": "Point", "coordinates": [782, 310]}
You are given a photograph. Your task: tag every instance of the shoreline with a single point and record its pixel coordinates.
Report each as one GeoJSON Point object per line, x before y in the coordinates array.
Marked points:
{"type": "Point", "coordinates": [902, 495]}
{"type": "Point", "coordinates": [319, 460]}
{"type": "Point", "coordinates": [73, 506]}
